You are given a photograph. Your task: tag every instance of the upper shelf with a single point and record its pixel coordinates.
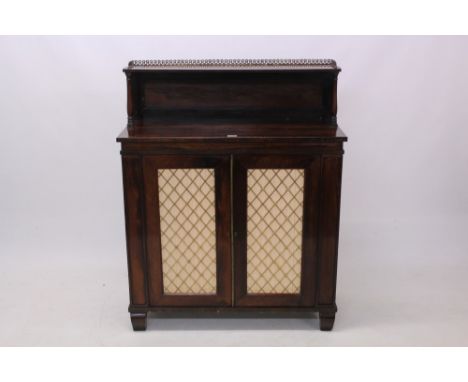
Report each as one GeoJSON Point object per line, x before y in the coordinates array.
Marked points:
{"type": "Point", "coordinates": [233, 64]}
{"type": "Point", "coordinates": [293, 90]}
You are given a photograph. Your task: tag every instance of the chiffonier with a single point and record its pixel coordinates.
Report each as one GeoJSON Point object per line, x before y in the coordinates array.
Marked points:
{"type": "Point", "coordinates": [232, 181]}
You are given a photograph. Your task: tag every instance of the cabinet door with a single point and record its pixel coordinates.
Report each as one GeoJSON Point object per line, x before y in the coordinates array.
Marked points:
{"type": "Point", "coordinates": [275, 206]}
{"type": "Point", "coordinates": [188, 227]}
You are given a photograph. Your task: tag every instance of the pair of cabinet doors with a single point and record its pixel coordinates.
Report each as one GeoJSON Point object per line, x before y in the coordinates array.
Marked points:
{"type": "Point", "coordinates": [231, 230]}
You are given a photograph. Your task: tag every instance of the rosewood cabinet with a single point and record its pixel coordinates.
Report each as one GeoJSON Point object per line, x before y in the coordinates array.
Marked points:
{"type": "Point", "coordinates": [232, 181]}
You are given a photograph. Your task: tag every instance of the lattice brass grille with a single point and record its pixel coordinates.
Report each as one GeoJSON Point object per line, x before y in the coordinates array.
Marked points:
{"type": "Point", "coordinates": [274, 230]}
{"type": "Point", "coordinates": [188, 230]}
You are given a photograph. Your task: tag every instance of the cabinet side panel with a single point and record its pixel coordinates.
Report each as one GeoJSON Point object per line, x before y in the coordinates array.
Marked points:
{"type": "Point", "coordinates": [310, 233]}
{"type": "Point", "coordinates": [132, 177]}
{"type": "Point", "coordinates": [329, 227]}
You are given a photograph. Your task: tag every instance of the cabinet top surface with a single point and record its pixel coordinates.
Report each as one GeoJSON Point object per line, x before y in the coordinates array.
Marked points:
{"type": "Point", "coordinates": [222, 132]}
{"type": "Point", "coordinates": [232, 64]}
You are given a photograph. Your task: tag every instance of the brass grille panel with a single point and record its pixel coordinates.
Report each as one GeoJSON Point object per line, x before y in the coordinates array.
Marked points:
{"type": "Point", "coordinates": [188, 230]}
{"type": "Point", "coordinates": [274, 230]}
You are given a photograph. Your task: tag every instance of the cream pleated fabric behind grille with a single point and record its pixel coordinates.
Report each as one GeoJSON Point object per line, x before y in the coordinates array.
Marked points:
{"type": "Point", "coordinates": [274, 230]}
{"type": "Point", "coordinates": [188, 230]}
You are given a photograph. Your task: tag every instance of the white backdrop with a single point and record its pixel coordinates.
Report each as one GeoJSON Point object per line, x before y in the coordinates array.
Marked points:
{"type": "Point", "coordinates": [403, 249]}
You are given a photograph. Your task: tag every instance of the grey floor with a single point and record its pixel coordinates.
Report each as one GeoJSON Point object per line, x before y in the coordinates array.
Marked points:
{"type": "Point", "coordinates": [400, 283]}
